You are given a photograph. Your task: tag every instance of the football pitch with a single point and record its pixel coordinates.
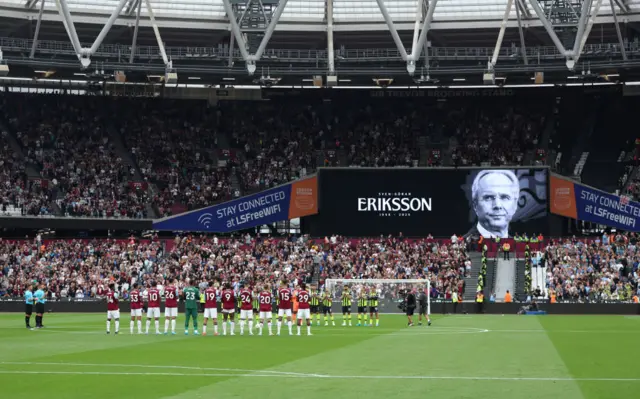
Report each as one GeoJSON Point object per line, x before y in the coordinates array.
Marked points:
{"type": "Point", "coordinates": [475, 356]}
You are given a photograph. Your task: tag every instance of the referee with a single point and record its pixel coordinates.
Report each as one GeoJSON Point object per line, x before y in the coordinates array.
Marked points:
{"type": "Point", "coordinates": [28, 308]}
{"type": "Point", "coordinates": [40, 300]}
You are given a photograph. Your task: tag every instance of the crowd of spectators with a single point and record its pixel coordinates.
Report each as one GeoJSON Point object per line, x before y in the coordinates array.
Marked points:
{"type": "Point", "coordinates": [494, 135]}
{"type": "Point", "coordinates": [82, 268]}
{"type": "Point", "coordinates": [601, 270]}
{"type": "Point", "coordinates": [20, 196]}
{"type": "Point", "coordinates": [67, 140]}
{"type": "Point", "coordinates": [174, 144]}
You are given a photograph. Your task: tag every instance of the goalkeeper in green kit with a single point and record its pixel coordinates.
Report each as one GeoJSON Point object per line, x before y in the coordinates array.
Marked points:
{"type": "Point", "coordinates": [191, 297]}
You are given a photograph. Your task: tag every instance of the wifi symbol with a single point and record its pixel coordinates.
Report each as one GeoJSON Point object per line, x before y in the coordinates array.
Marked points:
{"type": "Point", "coordinates": [205, 219]}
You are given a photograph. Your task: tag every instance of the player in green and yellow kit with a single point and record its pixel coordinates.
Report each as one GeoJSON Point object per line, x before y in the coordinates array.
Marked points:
{"type": "Point", "coordinates": [363, 303]}
{"type": "Point", "coordinates": [346, 306]}
{"type": "Point", "coordinates": [373, 306]}
{"type": "Point", "coordinates": [327, 302]}
{"type": "Point", "coordinates": [191, 297]}
{"type": "Point", "coordinates": [314, 303]}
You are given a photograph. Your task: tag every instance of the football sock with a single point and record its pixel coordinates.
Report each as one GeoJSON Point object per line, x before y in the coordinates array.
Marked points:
{"type": "Point", "coordinates": [326, 319]}
{"type": "Point", "coordinates": [332, 319]}
{"type": "Point", "coordinates": [232, 326]}
{"type": "Point", "coordinates": [195, 324]}
{"type": "Point", "coordinates": [359, 317]}
{"type": "Point", "coordinates": [148, 324]}
{"type": "Point", "coordinates": [26, 320]}
{"type": "Point", "coordinates": [204, 328]}
{"type": "Point", "coordinates": [290, 325]}
{"type": "Point", "coordinates": [117, 325]}
{"type": "Point", "coordinates": [269, 325]}
{"type": "Point", "coordinates": [157, 324]}
{"type": "Point", "coordinates": [242, 322]}
{"type": "Point", "coordinates": [224, 328]}
{"type": "Point", "coordinates": [38, 318]}
{"type": "Point", "coordinates": [215, 327]}
{"type": "Point", "coordinates": [131, 326]}
{"type": "Point", "coordinates": [308, 330]}
{"type": "Point", "coordinates": [298, 329]}
{"type": "Point", "coordinates": [166, 326]}
{"type": "Point", "coordinates": [140, 326]}
{"type": "Point", "coordinates": [377, 322]}
{"type": "Point", "coordinates": [279, 325]}
{"type": "Point", "coordinates": [173, 325]}
{"type": "Point", "coordinates": [108, 325]}
{"type": "Point", "coordinates": [250, 326]}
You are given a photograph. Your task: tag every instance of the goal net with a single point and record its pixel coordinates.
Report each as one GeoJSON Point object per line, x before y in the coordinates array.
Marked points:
{"type": "Point", "coordinates": [389, 291]}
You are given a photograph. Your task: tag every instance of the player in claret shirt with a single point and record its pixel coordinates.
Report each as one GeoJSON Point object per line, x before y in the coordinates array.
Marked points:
{"type": "Point", "coordinates": [153, 308]}
{"type": "Point", "coordinates": [246, 309]}
{"type": "Point", "coordinates": [228, 309]}
{"type": "Point", "coordinates": [265, 301]}
{"type": "Point", "coordinates": [170, 307]}
{"type": "Point", "coordinates": [303, 308]}
{"type": "Point", "coordinates": [113, 311]}
{"type": "Point", "coordinates": [210, 309]}
{"type": "Point", "coordinates": [284, 307]}
{"type": "Point", "coordinates": [135, 299]}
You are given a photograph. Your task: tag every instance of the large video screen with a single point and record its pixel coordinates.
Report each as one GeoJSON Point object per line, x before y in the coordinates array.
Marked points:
{"type": "Point", "coordinates": [492, 202]}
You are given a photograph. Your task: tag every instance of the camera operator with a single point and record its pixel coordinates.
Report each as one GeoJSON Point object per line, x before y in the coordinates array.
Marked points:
{"type": "Point", "coordinates": [410, 300]}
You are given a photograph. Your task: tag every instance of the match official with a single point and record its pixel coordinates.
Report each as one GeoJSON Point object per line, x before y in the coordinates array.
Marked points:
{"type": "Point", "coordinates": [411, 306]}
{"type": "Point", "coordinates": [40, 301]}
{"type": "Point", "coordinates": [28, 308]}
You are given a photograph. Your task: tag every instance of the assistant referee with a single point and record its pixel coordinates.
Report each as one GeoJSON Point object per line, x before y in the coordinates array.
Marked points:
{"type": "Point", "coordinates": [40, 301]}
{"type": "Point", "coordinates": [28, 307]}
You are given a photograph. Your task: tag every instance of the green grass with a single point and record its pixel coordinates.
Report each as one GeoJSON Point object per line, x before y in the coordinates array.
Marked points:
{"type": "Point", "coordinates": [458, 357]}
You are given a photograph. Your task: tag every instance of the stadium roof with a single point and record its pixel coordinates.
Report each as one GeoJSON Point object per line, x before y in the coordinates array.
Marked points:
{"type": "Point", "coordinates": [352, 14]}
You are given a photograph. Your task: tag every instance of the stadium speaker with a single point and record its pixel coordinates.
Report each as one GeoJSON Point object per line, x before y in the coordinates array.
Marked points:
{"type": "Point", "coordinates": [120, 76]}
{"type": "Point", "coordinates": [538, 78]}
{"type": "Point", "coordinates": [4, 69]}
{"type": "Point", "coordinates": [489, 78]}
{"type": "Point", "coordinates": [332, 80]}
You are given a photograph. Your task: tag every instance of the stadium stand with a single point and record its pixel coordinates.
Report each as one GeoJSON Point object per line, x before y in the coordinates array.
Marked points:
{"type": "Point", "coordinates": [244, 260]}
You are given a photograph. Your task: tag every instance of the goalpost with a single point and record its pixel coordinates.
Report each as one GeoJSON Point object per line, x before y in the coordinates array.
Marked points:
{"type": "Point", "coordinates": [386, 288]}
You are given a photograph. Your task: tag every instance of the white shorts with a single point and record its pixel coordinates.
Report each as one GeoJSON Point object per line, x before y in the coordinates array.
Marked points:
{"type": "Point", "coordinates": [304, 314]}
{"type": "Point", "coordinates": [246, 314]}
{"type": "Point", "coordinates": [228, 311]}
{"type": "Point", "coordinates": [170, 312]}
{"type": "Point", "coordinates": [266, 315]}
{"type": "Point", "coordinates": [113, 314]}
{"type": "Point", "coordinates": [210, 313]}
{"type": "Point", "coordinates": [136, 312]}
{"type": "Point", "coordinates": [153, 313]}
{"type": "Point", "coordinates": [286, 312]}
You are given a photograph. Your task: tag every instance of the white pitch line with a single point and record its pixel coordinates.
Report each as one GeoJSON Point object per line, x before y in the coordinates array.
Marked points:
{"type": "Point", "coordinates": [344, 377]}
{"type": "Point", "coordinates": [153, 366]}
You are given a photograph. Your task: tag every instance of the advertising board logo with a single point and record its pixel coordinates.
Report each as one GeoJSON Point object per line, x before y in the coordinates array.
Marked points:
{"type": "Point", "coordinates": [562, 198]}
{"type": "Point", "coordinates": [389, 204]}
{"type": "Point", "coordinates": [304, 198]}
{"type": "Point", "coordinates": [205, 219]}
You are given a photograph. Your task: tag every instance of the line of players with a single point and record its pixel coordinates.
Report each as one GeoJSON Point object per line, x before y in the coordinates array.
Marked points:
{"type": "Point", "coordinates": [250, 302]}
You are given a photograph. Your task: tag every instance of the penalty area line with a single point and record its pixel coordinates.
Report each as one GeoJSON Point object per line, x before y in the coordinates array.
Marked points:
{"type": "Point", "coordinates": [344, 377]}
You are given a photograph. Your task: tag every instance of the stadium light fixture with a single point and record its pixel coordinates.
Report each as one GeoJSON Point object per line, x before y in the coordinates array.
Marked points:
{"type": "Point", "coordinates": [194, 78]}
{"type": "Point", "coordinates": [459, 79]}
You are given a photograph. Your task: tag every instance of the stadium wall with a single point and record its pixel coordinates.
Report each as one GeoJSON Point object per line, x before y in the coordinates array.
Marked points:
{"type": "Point", "coordinates": [388, 306]}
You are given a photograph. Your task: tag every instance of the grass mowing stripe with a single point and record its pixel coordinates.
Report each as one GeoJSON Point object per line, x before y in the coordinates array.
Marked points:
{"type": "Point", "coordinates": [342, 377]}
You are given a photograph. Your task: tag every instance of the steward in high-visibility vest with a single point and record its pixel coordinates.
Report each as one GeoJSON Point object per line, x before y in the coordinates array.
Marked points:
{"type": "Point", "coordinates": [480, 302]}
